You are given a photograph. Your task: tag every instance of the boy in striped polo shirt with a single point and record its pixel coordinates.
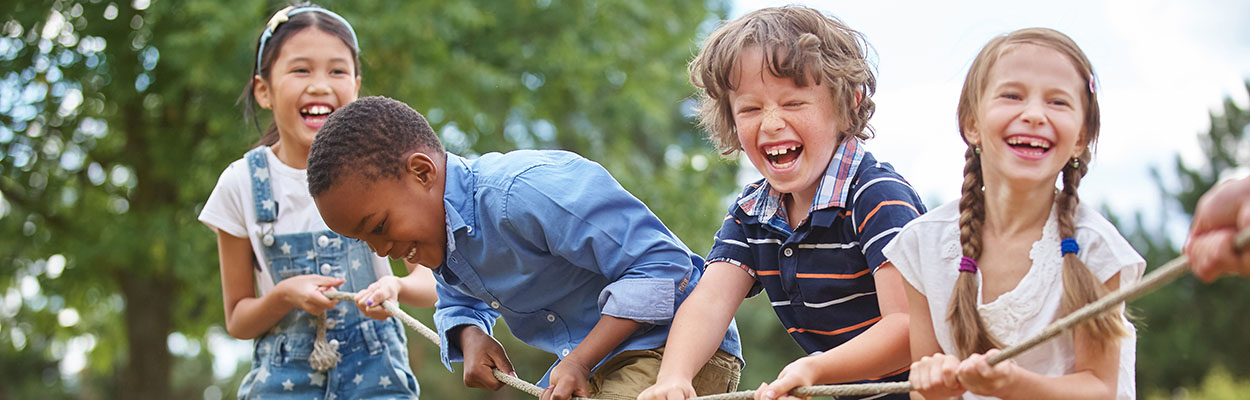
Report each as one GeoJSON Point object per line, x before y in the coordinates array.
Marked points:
{"type": "Point", "coordinates": [790, 88]}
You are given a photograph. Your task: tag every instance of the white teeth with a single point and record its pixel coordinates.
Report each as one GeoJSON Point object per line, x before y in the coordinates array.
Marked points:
{"type": "Point", "coordinates": [316, 110]}
{"type": "Point", "coordinates": [411, 253]}
{"type": "Point", "coordinates": [1031, 142]}
{"type": "Point", "coordinates": [780, 151]}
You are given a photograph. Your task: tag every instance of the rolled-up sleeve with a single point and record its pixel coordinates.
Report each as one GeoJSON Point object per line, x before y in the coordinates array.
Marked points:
{"type": "Point", "coordinates": [648, 300]}
{"type": "Point", "coordinates": [455, 309]}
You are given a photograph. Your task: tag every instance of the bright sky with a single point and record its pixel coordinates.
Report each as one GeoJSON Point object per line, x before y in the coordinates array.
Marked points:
{"type": "Point", "coordinates": [1162, 66]}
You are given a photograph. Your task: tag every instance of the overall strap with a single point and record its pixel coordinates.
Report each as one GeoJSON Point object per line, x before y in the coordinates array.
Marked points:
{"type": "Point", "coordinates": [262, 190]}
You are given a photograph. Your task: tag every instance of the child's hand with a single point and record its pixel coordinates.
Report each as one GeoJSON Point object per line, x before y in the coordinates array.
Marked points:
{"type": "Point", "coordinates": [569, 378]}
{"type": "Point", "coordinates": [481, 353]}
{"type": "Point", "coordinates": [935, 376]}
{"type": "Point", "coordinates": [798, 373]}
{"type": "Point", "coordinates": [979, 377]}
{"type": "Point", "coordinates": [669, 388]}
{"type": "Point", "coordinates": [305, 292]}
{"type": "Point", "coordinates": [370, 300]}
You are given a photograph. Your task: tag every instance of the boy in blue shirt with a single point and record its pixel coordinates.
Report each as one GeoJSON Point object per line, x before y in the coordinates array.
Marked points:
{"type": "Point", "coordinates": [791, 89]}
{"type": "Point", "coordinates": [548, 240]}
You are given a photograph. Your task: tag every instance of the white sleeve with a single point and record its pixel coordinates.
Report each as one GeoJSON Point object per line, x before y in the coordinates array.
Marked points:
{"type": "Point", "coordinates": [904, 253]}
{"type": "Point", "coordinates": [1104, 251]}
{"type": "Point", "coordinates": [225, 208]}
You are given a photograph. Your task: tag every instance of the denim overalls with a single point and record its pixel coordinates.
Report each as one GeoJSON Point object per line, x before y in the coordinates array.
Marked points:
{"type": "Point", "coordinates": [375, 359]}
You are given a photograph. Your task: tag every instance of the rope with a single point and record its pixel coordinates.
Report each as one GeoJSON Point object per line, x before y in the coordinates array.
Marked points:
{"type": "Point", "coordinates": [1160, 276]}
{"type": "Point", "coordinates": [324, 355]}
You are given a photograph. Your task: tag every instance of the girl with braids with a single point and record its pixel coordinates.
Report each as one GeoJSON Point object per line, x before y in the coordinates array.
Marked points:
{"type": "Point", "coordinates": [1015, 253]}
{"type": "Point", "coordinates": [278, 256]}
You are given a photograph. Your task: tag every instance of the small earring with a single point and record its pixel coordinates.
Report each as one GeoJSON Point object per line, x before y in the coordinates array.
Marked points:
{"type": "Point", "coordinates": [976, 149]}
{"type": "Point", "coordinates": [1076, 162]}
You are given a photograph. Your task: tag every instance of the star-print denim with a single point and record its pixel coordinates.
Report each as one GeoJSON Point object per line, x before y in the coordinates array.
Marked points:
{"type": "Point", "coordinates": [374, 356]}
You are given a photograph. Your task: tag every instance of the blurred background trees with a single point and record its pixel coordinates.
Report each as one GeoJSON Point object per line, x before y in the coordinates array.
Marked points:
{"type": "Point", "coordinates": [116, 118]}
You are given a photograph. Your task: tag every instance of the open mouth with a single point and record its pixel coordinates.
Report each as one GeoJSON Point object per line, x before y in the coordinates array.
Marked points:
{"type": "Point", "coordinates": [783, 157]}
{"type": "Point", "coordinates": [412, 255]}
{"type": "Point", "coordinates": [315, 114]}
{"type": "Point", "coordinates": [1029, 145]}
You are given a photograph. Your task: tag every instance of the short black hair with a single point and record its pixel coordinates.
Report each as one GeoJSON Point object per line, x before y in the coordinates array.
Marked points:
{"type": "Point", "coordinates": [371, 136]}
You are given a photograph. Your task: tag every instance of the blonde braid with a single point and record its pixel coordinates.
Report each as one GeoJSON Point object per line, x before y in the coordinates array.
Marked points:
{"type": "Point", "coordinates": [967, 327]}
{"type": "Point", "coordinates": [1080, 285]}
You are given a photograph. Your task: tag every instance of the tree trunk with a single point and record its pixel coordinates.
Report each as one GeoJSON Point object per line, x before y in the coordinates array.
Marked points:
{"type": "Point", "coordinates": [148, 323]}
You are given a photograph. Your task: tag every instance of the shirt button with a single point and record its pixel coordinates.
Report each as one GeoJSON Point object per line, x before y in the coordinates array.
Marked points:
{"type": "Point", "coordinates": [564, 352]}
{"type": "Point", "coordinates": [788, 252]}
{"type": "Point", "coordinates": [323, 241]}
{"type": "Point", "coordinates": [494, 304]}
{"type": "Point", "coordinates": [551, 318]}
{"type": "Point", "coordinates": [469, 229]}
{"type": "Point", "coordinates": [267, 240]}
{"type": "Point", "coordinates": [325, 269]}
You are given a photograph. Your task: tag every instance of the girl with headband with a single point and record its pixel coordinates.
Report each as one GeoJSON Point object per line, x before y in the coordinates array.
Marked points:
{"type": "Point", "coordinates": [277, 255]}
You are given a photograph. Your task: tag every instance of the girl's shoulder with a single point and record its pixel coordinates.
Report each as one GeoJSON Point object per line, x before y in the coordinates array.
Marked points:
{"type": "Point", "coordinates": [1102, 247]}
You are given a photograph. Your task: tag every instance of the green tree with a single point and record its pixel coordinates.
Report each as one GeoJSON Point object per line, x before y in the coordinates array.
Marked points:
{"type": "Point", "coordinates": [1187, 328]}
{"type": "Point", "coordinates": [116, 119]}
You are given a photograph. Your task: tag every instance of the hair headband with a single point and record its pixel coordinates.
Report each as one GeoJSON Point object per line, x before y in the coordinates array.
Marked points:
{"type": "Point", "coordinates": [285, 14]}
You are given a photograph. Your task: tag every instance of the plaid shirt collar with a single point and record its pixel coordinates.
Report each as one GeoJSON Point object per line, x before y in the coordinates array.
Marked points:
{"type": "Point", "coordinates": [764, 202]}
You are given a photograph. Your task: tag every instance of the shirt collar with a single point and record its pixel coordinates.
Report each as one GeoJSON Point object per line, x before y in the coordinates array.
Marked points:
{"type": "Point", "coordinates": [764, 202]}
{"type": "Point", "coordinates": [458, 197]}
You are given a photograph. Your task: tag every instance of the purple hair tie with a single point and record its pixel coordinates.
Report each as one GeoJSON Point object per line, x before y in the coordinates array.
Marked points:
{"type": "Point", "coordinates": [968, 265]}
{"type": "Point", "coordinates": [1068, 245]}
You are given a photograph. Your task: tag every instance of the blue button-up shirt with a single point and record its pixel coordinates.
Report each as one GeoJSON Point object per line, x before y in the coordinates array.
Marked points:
{"type": "Point", "coordinates": [551, 242]}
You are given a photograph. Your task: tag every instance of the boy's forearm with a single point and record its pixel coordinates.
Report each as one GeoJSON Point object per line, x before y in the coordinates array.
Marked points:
{"type": "Point", "coordinates": [696, 333]}
{"type": "Point", "coordinates": [607, 334]}
{"type": "Point", "coordinates": [880, 350]}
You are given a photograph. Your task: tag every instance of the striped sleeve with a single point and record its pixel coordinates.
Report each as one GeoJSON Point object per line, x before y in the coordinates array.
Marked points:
{"type": "Point", "coordinates": [731, 246]}
{"type": "Point", "coordinates": [883, 202]}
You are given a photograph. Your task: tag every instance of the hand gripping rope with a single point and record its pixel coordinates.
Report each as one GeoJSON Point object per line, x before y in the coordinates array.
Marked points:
{"type": "Point", "coordinates": [1160, 276]}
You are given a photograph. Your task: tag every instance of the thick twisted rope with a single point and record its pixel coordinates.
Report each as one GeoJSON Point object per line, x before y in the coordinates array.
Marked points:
{"type": "Point", "coordinates": [1160, 276]}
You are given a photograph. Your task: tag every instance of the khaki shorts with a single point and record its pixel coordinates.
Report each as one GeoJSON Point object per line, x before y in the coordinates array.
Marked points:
{"type": "Point", "coordinates": [625, 376]}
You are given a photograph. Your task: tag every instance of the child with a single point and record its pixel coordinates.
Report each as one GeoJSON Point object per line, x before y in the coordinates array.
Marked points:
{"type": "Point", "coordinates": [1221, 213]}
{"type": "Point", "coordinates": [1013, 254]}
{"type": "Point", "coordinates": [576, 265]}
{"type": "Point", "coordinates": [791, 88]}
{"type": "Point", "coordinates": [277, 256]}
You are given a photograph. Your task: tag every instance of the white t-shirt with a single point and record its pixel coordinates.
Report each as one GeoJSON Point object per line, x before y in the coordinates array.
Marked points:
{"type": "Point", "coordinates": [927, 253]}
{"type": "Point", "coordinates": [231, 209]}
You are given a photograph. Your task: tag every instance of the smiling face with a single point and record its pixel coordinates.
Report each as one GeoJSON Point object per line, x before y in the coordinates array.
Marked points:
{"type": "Point", "coordinates": [788, 132]}
{"type": "Point", "coordinates": [313, 74]}
{"type": "Point", "coordinates": [400, 218]}
{"type": "Point", "coordinates": [1030, 120]}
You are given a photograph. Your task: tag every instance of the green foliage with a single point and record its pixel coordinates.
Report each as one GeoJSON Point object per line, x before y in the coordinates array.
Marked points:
{"type": "Point", "coordinates": [1218, 384]}
{"type": "Point", "coordinates": [115, 123]}
{"type": "Point", "coordinates": [1187, 328]}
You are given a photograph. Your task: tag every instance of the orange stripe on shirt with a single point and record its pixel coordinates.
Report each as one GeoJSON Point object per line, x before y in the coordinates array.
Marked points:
{"type": "Point", "coordinates": [832, 276]}
{"type": "Point", "coordinates": [892, 373]}
{"type": "Point", "coordinates": [836, 331]}
{"type": "Point", "coordinates": [769, 273]}
{"type": "Point", "coordinates": [882, 204]}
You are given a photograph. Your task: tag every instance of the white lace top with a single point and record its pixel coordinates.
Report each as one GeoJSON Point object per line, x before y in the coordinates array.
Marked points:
{"type": "Point", "coordinates": [927, 253]}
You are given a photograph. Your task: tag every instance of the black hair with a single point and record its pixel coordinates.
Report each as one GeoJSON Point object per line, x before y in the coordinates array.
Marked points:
{"type": "Point", "coordinates": [274, 43]}
{"type": "Point", "coordinates": [372, 137]}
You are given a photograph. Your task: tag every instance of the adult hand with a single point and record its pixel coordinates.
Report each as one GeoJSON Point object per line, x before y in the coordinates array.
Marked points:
{"type": "Point", "coordinates": [1221, 213]}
